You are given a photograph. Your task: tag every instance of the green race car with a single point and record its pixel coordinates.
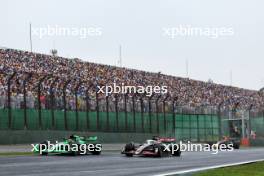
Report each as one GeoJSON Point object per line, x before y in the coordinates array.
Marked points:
{"type": "Point", "coordinates": [74, 145]}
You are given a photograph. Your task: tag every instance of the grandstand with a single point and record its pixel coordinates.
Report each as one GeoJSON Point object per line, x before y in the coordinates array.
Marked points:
{"type": "Point", "coordinates": [190, 92]}
{"type": "Point", "coordinates": [54, 88]}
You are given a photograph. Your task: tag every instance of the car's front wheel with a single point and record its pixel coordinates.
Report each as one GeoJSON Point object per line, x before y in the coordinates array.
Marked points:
{"type": "Point", "coordinates": [41, 145]}
{"type": "Point", "coordinates": [159, 151]}
{"type": "Point", "coordinates": [129, 147]}
{"type": "Point", "coordinates": [129, 154]}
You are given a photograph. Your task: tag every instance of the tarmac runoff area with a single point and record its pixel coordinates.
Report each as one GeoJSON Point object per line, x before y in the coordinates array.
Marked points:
{"type": "Point", "coordinates": [112, 163]}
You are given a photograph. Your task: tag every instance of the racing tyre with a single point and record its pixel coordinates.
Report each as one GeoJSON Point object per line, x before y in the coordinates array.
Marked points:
{"type": "Point", "coordinates": [43, 153]}
{"type": "Point", "coordinates": [236, 146]}
{"type": "Point", "coordinates": [129, 147]}
{"type": "Point", "coordinates": [176, 153]}
{"type": "Point", "coordinates": [96, 152]}
{"type": "Point", "coordinates": [129, 154]}
{"type": "Point", "coordinates": [159, 151]}
{"type": "Point", "coordinates": [74, 152]}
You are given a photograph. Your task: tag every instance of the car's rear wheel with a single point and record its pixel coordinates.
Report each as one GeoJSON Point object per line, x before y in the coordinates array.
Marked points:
{"type": "Point", "coordinates": [236, 145]}
{"type": "Point", "coordinates": [74, 150]}
{"type": "Point", "coordinates": [176, 153]}
{"type": "Point", "coordinates": [96, 152]}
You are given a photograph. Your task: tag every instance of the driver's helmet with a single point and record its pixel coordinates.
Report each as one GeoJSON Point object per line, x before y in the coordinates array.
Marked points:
{"type": "Point", "coordinates": [150, 141]}
{"type": "Point", "coordinates": [72, 137]}
{"type": "Point", "coordinates": [155, 138]}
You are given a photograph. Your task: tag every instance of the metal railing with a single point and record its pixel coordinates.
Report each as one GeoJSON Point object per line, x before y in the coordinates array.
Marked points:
{"type": "Point", "coordinates": [86, 110]}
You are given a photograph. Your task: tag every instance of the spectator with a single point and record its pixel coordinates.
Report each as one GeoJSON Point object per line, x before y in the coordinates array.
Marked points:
{"type": "Point", "coordinates": [190, 93]}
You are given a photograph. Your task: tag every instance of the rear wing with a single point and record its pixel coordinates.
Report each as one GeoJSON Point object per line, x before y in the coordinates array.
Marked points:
{"type": "Point", "coordinates": [165, 139]}
{"type": "Point", "coordinates": [91, 138]}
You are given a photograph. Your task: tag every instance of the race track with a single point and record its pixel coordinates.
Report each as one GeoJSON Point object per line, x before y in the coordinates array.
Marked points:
{"type": "Point", "coordinates": [114, 164]}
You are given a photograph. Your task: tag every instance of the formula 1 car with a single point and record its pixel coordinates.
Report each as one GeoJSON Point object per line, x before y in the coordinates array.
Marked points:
{"type": "Point", "coordinates": [74, 145]}
{"type": "Point", "coordinates": [155, 147]}
{"type": "Point", "coordinates": [228, 142]}
{"type": "Point", "coordinates": [233, 141]}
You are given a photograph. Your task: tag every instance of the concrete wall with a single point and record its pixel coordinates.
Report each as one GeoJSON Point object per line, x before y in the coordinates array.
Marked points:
{"type": "Point", "coordinates": [31, 136]}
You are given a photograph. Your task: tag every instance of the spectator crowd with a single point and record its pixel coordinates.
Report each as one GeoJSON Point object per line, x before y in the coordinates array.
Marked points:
{"type": "Point", "coordinates": [83, 78]}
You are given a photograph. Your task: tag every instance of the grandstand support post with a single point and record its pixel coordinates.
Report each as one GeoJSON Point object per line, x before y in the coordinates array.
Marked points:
{"type": "Point", "coordinates": [76, 105]}
{"type": "Point", "coordinates": [164, 112]}
{"type": "Point", "coordinates": [249, 120]}
{"type": "Point", "coordinates": [87, 102]}
{"type": "Point", "coordinates": [150, 113]}
{"type": "Point", "coordinates": [25, 99]}
{"type": "Point", "coordinates": [174, 102]}
{"type": "Point", "coordinates": [198, 128]}
{"type": "Point", "coordinates": [219, 120]}
{"type": "Point", "coordinates": [52, 102]}
{"type": "Point", "coordinates": [134, 112]}
{"type": "Point", "coordinates": [126, 122]}
{"type": "Point", "coordinates": [39, 102]}
{"type": "Point", "coordinates": [116, 110]}
{"type": "Point", "coordinates": [97, 111]}
{"type": "Point", "coordinates": [65, 103]}
{"type": "Point", "coordinates": [190, 129]}
{"type": "Point", "coordinates": [157, 113]}
{"type": "Point", "coordinates": [9, 99]}
{"type": "Point", "coordinates": [142, 113]}
{"type": "Point", "coordinates": [263, 118]}
{"type": "Point", "coordinates": [212, 125]}
{"type": "Point", "coordinates": [107, 113]}
{"type": "Point", "coordinates": [205, 130]}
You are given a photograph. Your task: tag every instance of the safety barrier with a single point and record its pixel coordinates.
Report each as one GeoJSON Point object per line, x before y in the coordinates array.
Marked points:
{"type": "Point", "coordinates": [195, 127]}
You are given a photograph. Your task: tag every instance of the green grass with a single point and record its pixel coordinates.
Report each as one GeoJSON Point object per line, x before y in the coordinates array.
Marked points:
{"type": "Point", "coordinates": [15, 154]}
{"type": "Point", "coordinates": [253, 169]}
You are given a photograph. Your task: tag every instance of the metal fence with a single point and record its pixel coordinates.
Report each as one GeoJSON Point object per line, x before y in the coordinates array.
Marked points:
{"type": "Point", "coordinates": [243, 123]}
{"type": "Point", "coordinates": [257, 126]}
{"type": "Point", "coordinates": [195, 127]}
{"type": "Point", "coordinates": [83, 109]}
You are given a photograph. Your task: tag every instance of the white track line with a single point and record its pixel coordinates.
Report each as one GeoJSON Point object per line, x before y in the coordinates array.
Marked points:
{"type": "Point", "coordinates": [207, 168]}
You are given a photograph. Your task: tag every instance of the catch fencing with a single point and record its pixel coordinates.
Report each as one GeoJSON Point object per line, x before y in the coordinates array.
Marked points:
{"type": "Point", "coordinates": [82, 108]}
